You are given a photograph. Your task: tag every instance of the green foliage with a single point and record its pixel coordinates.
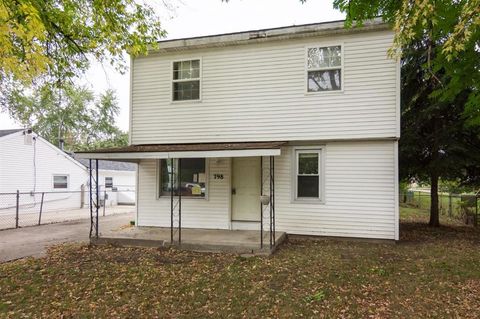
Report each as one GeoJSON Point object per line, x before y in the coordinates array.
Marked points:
{"type": "Point", "coordinates": [70, 113]}
{"type": "Point", "coordinates": [40, 37]}
{"type": "Point", "coordinates": [318, 296]}
{"type": "Point", "coordinates": [52, 41]}
{"type": "Point", "coordinates": [451, 33]}
{"type": "Point", "coordinates": [436, 138]}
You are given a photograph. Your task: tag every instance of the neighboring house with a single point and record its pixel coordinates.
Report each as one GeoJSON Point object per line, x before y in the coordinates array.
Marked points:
{"type": "Point", "coordinates": [30, 164]}
{"type": "Point", "coordinates": [321, 100]}
{"type": "Point", "coordinates": [118, 179]}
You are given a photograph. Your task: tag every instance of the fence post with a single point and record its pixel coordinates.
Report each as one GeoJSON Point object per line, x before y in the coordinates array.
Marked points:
{"type": "Point", "coordinates": [104, 201]}
{"type": "Point", "coordinates": [41, 209]}
{"type": "Point", "coordinates": [17, 207]}
{"type": "Point", "coordinates": [449, 204]}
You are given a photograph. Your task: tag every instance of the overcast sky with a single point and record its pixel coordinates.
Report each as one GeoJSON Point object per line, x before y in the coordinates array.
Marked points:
{"type": "Point", "coordinates": [188, 18]}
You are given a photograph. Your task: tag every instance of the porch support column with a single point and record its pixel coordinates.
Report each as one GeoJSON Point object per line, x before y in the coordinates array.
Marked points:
{"type": "Point", "coordinates": [261, 204]}
{"type": "Point", "coordinates": [179, 201]}
{"type": "Point", "coordinates": [271, 200]}
{"type": "Point", "coordinates": [273, 197]}
{"type": "Point", "coordinates": [94, 197]}
{"type": "Point", "coordinates": [171, 200]}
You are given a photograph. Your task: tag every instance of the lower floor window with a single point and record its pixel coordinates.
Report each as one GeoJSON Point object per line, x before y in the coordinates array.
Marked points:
{"type": "Point", "coordinates": [60, 181]}
{"type": "Point", "coordinates": [108, 182]}
{"type": "Point", "coordinates": [308, 174]}
{"type": "Point", "coordinates": [191, 182]}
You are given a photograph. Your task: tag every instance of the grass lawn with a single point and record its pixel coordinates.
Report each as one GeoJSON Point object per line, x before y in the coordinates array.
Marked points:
{"type": "Point", "coordinates": [429, 273]}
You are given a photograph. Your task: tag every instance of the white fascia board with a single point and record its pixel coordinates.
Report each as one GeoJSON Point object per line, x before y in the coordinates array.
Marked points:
{"type": "Point", "coordinates": [182, 154]}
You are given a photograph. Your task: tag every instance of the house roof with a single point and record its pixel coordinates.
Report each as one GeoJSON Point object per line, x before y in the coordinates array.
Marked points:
{"type": "Point", "coordinates": [110, 165]}
{"type": "Point", "coordinates": [8, 132]}
{"type": "Point", "coordinates": [238, 149]}
{"type": "Point", "coordinates": [263, 35]}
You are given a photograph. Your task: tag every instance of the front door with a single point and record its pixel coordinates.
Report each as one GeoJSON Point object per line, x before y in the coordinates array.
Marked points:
{"type": "Point", "coordinates": [246, 189]}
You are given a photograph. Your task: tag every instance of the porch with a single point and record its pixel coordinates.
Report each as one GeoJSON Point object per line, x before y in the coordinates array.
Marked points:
{"type": "Point", "coordinates": [238, 217]}
{"type": "Point", "coordinates": [204, 240]}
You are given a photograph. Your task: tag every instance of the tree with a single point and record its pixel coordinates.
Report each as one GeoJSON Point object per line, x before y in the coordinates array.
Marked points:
{"type": "Point", "coordinates": [436, 143]}
{"type": "Point", "coordinates": [50, 40]}
{"type": "Point", "coordinates": [69, 113]}
{"type": "Point", "coordinates": [439, 43]}
{"type": "Point", "coordinates": [451, 31]}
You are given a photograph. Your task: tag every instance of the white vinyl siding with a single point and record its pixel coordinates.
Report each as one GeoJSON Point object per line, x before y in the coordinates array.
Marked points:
{"type": "Point", "coordinates": [359, 195]}
{"type": "Point", "coordinates": [257, 92]}
{"type": "Point", "coordinates": [211, 212]}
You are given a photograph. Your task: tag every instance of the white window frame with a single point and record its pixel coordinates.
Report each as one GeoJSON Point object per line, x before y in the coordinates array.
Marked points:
{"type": "Point", "coordinates": [320, 150]}
{"type": "Point", "coordinates": [342, 73]}
{"type": "Point", "coordinates": [60, 189]}
{"type": "Point", "coordinates": [199, 79]}
{"type": "Point", "coordinates": [159, 181]}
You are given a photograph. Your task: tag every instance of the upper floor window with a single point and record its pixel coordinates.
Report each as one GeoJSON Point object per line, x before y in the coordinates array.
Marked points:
{"type": "Point", "coordinates": [186, 80]}
{"type": "Point", "coordinates": [324, 68]}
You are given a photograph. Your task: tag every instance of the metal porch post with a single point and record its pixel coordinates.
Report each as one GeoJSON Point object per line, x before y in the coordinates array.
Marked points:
{"type": "Point", "coordinates": [180, 201]}
{"type": "Point", "coordinates": [171, 200]}
{"type": "Point", "coordinates": [261, 204]}
{"type": "Point", "coordinates": [98, 196]}
{"type": "Point", "coordinates": [271, 207]}
{"type": "Point", "coordinates": [90, 191]}
{"type": "Point", "coordinates": [272, 200]}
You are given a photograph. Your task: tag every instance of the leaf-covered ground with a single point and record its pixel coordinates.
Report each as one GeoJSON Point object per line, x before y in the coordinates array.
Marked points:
{"type": "Point", "coordinates": [429, 273]}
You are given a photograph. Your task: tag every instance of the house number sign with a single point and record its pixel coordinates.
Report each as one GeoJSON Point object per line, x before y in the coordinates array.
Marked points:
{"type": "Point", "coordinates": [217, 176]}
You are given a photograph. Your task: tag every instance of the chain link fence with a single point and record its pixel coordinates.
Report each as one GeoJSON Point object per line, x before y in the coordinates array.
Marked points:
{"type": "Point", "coordinates": [21, 209]}
{"type": "Point", "coordinates": [464, 207]}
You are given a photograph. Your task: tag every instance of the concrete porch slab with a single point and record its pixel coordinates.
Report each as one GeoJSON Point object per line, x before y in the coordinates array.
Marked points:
{"type": "Point", "coordinates": [205, 240]}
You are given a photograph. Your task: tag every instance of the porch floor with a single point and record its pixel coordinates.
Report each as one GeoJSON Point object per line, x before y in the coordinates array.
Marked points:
{"type": "Point", "coordinates": [207, 240]}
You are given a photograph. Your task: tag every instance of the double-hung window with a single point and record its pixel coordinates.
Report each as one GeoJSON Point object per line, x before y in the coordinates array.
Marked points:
{"type": "Point", "coordinates": [324, 68]}
{"type": "Point", "coordinates": [186, 80]}
{"type": "Point", "coordinates": [308, 174]}
{"type": "Point", "coordinates": [192, 181]}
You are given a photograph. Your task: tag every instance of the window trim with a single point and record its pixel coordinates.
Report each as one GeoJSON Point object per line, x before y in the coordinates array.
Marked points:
{"type": "Point", "coordinates": [60, 189]}
{"type": "Point", "coordinates": [321, 174]}
{"type": "Point", "coordinates": [172, 101]}
{"type": "Point", "coordinates": [158, 196]}
{"type": "Point", "coordinates": [341, 67]}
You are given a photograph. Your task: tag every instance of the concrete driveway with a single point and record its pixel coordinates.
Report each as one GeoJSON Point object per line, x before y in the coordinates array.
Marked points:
{"type": "Point", "coordinates": [34, 241]}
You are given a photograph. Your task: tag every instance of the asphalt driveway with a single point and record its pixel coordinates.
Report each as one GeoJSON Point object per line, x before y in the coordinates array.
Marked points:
{"type": "Point", "coordinates": [34, 241]}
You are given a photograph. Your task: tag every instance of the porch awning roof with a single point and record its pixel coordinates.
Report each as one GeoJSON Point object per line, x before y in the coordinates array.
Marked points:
{"type": "Point", "coordinates": [156, 151]}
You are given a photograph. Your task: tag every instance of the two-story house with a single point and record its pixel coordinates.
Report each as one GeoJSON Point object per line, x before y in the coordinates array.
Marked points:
{"type": "Point", "coordinates": [307, 115]}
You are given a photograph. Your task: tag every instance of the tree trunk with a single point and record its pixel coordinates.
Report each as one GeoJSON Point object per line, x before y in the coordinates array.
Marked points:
{"type": "Point", "coordinates": [434, 213]}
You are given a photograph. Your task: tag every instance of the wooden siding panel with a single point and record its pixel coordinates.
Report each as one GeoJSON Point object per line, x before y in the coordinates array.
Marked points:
{"type": "Point", "coordinates": [257, 93]}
